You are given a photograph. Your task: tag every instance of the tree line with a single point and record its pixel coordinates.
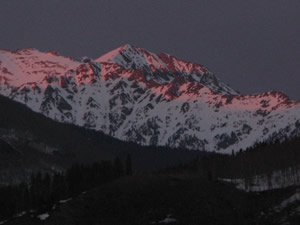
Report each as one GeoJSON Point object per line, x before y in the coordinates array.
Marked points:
{"type": "Point", "coordinates": [262, 158]}
{"type": "Point", "coordinates": [42, 191]}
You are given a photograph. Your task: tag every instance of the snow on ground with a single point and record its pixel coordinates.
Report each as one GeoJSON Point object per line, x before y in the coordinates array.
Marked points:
{"type": "Point", "coordinates": [295, 197]}
{"type": "Point", "coordinates": [43, 216]}
{"type": "Point", "coordinates": [288, 208]}
{"type": "Point", "coordinates": [275, 180]}
{"type": "Point", "coordinates": [21, 214]}
{"type": "Point", "coordinates": [168, 220]}
{"type": "Point", "coordinates": [65, 200]}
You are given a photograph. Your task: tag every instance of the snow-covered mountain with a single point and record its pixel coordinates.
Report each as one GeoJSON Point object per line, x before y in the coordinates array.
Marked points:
{"type": "Point", "coordinates": [152, 99]}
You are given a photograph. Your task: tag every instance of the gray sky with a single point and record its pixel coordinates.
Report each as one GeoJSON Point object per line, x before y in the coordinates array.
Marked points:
{"type": "Point", "coordinates": [252, 45]}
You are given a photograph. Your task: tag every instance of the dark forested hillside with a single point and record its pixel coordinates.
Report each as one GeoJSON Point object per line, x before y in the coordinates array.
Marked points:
{"type": "Point", "coordinates": [30, 142]}
{"type": "Point", "coordinates": [42, 191]}
{"type": "Point", "coordinates": [262, 158]}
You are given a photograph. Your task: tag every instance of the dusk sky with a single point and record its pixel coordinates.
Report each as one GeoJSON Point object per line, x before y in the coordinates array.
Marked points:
{"type": "Point", "coordinates": [253, 46]}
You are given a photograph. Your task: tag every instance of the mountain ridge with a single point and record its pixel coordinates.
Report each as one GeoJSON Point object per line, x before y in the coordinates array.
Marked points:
{"type": "Point", "coordinates": [135, 95]}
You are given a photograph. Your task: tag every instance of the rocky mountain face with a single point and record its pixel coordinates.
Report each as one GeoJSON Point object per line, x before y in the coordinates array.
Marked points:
{"type": "Point", "coordinates": [151, 99]}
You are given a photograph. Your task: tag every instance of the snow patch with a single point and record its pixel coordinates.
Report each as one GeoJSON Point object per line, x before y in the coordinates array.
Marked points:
{"type": "Point", "coordinates": [21, 214]}
{"type": "Point", "coordinates": [264, 182]}
{"type": "Point", "coordinates": [295, 197]}
{"type": "Point", "coordinates": [168, 220]}
{"type": "Point", "coordinates": [43, 216]}
{"type": "Point", "coordinates": [65, 200]}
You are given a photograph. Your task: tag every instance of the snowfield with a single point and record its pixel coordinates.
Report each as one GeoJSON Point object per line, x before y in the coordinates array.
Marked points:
{"type": "Point", "coordinates": [151, 99]}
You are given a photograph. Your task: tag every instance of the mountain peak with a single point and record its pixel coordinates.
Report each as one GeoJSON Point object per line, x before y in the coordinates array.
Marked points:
{"type": "Point", "coordinates": [131, 57]}
{"type": "Point", "coordinates": [158, 68]}
{"type": "Point", "coordinates": [127, 55]}
{"type": "Point", "coordinates": [163, 68]}
{"type": "Point", "coordinates": [127, 46]}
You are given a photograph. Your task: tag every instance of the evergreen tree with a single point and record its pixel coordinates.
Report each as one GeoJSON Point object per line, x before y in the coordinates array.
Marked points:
{"type": "Point", "coordinates": [128, 165]}
{"type": "Point", "coordinates": [118, 167]}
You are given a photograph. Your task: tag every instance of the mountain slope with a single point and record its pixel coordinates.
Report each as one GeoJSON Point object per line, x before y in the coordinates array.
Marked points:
{"type": "Point", "coordinates": [31, 142]}
{"type": "Point", "coordinates": [135, 95]}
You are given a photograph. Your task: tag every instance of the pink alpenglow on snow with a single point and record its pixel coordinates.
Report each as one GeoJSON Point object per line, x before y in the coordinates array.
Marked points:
{"type": "Point", "coordinates": [136, 95]}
